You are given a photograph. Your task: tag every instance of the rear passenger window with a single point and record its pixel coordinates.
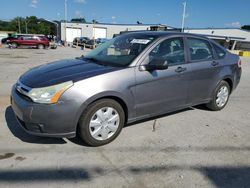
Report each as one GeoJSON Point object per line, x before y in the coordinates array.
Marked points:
{"type": "Point", "coordinates": [27, 38]}
{"type": "Point", "coordinates": [219, 52]}
{"type": "Point", "coordinates": [199, 49]}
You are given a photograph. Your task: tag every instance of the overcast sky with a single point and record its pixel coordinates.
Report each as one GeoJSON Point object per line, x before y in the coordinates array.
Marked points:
{"type": "Point", "coordinates": [199, 14]}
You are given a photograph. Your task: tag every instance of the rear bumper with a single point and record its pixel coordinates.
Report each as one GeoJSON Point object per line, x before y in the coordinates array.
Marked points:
{"type": "Point", "coordinates": [55, 120]}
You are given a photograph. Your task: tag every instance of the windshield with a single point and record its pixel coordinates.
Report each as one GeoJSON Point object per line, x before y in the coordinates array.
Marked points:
{"type": "Point", "coordinates": [122, 50]}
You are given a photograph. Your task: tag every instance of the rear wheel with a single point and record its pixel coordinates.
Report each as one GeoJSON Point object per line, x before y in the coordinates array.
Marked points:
{"type": "Point", "coordinates": [101, 122]}
{"type": "Point", "coordinates": [40, 46]}
{"type": "Point", "coordinates": [220, 96]}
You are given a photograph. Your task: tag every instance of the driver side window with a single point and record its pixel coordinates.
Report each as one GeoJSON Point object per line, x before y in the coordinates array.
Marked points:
{"type": "Point", "coordinates": [170, 50]}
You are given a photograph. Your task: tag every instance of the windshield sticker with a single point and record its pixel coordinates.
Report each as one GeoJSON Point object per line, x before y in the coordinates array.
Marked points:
{"type": "Point", "coordinates": [140, 41]}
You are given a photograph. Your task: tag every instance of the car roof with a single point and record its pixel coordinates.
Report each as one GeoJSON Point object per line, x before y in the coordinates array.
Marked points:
{"type": "Point", "coordinates": [164, 33]}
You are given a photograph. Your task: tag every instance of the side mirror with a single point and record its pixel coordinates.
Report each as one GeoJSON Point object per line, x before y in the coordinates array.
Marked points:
{"type": "Point", "coordinates": [156, 64]}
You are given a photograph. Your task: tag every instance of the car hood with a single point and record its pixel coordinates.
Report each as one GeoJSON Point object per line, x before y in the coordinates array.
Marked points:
{"type": "Point", "coordinates": [62, 71]}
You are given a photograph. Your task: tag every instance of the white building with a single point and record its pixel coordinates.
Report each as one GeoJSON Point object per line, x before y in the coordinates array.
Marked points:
{"type": "Point", "coordinates": [231, 38]}
{"type": "Point", "coordinates": [99, 30]}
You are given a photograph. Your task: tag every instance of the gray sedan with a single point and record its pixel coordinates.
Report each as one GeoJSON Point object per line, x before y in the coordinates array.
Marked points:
{"type": "Point", "coordinates": [135, 76]}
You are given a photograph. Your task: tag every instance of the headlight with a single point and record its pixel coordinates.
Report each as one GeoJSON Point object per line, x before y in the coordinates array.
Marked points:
{"type": "Point", "coordinates": [49, 95]}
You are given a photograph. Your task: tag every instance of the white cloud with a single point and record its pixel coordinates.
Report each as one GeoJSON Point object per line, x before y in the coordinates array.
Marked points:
{"type": "Point", "coordinates": [113, 17]}
{"type": "Point", "coordinates": [33, 3]}
{"type": "Point", "coordinates": [234, 24]}
{"type": "Point", "coordinates": [78, 14]}
{"type": "Point", "coordinates": [80, 1]}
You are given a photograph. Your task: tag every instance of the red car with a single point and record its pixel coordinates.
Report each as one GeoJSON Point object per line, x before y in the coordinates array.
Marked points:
{"type": "Point", "coordinates": [38, 41]}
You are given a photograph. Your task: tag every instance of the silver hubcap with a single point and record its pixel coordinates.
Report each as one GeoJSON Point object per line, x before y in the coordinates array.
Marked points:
{"type": "Point", "coordinates": [104, 123]}
{"type": "Point", "coordinates": [222, 96]}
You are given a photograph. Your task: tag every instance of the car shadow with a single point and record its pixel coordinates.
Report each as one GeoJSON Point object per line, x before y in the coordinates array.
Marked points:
{"type": "Point", "coordinates": [77, 140]}
{"type": "Point", "coordinates": [159, 116]}
{"type": "Point", "coordinates": [18, 132]}
{"type": "Point", "coordinates": [201, 107]}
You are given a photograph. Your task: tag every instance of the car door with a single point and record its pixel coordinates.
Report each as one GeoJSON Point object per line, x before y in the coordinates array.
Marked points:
{"type": "Point", "coordinates": [160, 91]}
{"type": "Point", "coordinates": [26, 40]}
{"type": "Point", "coordinates": [204, 69]}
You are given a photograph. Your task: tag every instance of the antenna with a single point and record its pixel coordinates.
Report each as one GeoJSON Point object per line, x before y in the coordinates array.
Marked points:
{"type": "Point", "coordinates": [183, 16]}
{"type": "Point", "coordinates": [65, 21]}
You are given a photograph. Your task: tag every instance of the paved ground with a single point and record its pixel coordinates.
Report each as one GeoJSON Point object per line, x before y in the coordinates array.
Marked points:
{"type": "Point", "coordinates": [191, 148]}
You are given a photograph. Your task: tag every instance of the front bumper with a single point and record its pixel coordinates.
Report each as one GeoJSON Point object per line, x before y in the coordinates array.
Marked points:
{"type": "Point", "coordinates": [53, 120]}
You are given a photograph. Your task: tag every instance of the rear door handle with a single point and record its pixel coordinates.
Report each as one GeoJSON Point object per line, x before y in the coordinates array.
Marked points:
{"type": "Point", "coordinates": [215, 63]}
{"type": "Point", "coordinates": [180, 69]}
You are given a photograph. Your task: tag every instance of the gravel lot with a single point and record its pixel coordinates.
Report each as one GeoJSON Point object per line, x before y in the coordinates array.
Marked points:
{"type": "Point", "coordinates": [191, 148]}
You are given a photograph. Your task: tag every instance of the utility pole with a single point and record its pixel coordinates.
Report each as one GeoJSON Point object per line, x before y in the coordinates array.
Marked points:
{"type": "Point", "coordinates": [19, 26]}
{"type": "Point", "coordinates": [65, 21]}
{"type": "Point", "coordinates": [183, 16]}
{"type": "Point", "coordinates": [26, 25]}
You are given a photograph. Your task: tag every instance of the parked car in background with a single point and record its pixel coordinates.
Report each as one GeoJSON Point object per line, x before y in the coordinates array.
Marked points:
{"type": "Point", "coordinates": [90, 44]}
{"type": "Point", "coordinates": [14, 36]}
{"type": "Point", "coordinates": [80, 41]}
{"type": "Point", "coordinates": [94, 43]}
{"type": "Point", "coordinates": [5, 40]}
{"type": "Point", "coordinates": [135, 76]}
{"type": "Point", "coordinates": [37, 41]}
{"type": "Point", "coordinates": [101, 40]}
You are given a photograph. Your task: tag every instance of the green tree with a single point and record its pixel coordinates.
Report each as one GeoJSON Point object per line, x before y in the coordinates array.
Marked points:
{"type": "Point", "coordinates": [246, 27]}
{"type": "Point", "coordinates": [34, 26]}
{"type": "Point", "coordinates": [94, 21]}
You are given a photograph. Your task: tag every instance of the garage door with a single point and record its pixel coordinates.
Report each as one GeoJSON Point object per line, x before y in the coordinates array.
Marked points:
{"type": "Point", "coordinates": [71, 33]}
{"type": "Point", "coordinates": [99, 32]}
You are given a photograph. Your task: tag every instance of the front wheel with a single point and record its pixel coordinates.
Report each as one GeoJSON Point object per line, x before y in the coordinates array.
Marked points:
{"type": "Point", "coordinates": [14, 45]}
{"type": "Point", "coordinates": [101, 122]}
{"type": "Point", "coordinates": [220, 96]}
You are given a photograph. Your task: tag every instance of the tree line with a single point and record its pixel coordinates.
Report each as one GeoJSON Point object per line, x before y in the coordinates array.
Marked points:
{"type": "Point", "coordinates": [33, 25]}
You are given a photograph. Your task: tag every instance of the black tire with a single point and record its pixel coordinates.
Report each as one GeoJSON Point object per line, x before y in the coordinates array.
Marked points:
{"type": "Point", "coordinates": [40, 46]}
{"type": "Point", "coordinates": [84, 122]}
{"type": "Point", "coordinates": [213, 104]}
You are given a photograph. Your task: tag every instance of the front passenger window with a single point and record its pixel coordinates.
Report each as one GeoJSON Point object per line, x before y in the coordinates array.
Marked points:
{"type": "Point", "coordinates": [170, 50]}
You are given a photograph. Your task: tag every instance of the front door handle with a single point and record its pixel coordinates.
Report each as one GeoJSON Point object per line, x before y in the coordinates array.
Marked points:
{"type": "Point", "coordinates": [180, 69]}
{"type": "Point", "coordinates": [215, 63]}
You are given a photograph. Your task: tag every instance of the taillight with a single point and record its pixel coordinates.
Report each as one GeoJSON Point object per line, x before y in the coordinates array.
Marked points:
{"type": "Point", "coordinates": [239, 63]}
